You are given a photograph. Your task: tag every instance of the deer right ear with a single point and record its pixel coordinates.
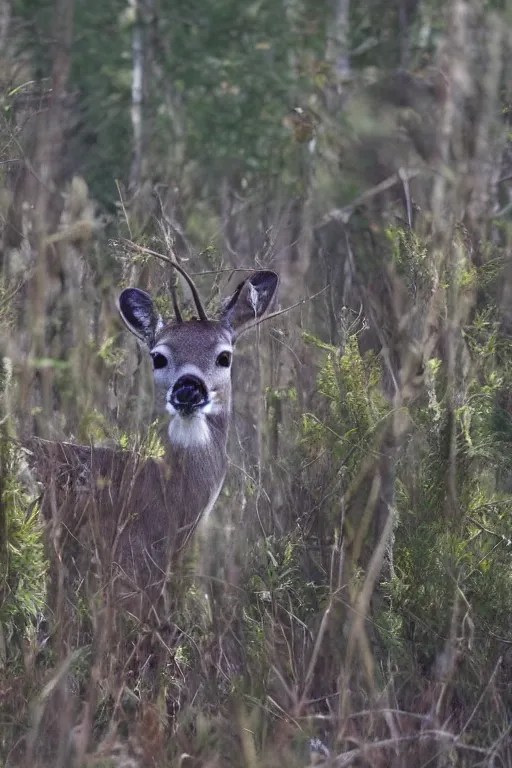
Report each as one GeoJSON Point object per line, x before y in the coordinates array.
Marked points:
{"type": "Point", "coordinates": [250, 301]}
{"type": "Point", "coordinates": [138, 313]}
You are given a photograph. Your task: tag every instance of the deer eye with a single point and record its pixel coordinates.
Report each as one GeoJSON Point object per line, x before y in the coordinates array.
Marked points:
{"type": "Point", "coordinates": [159, 360]}
{"type": "Point", "coordinates": [224, 359]}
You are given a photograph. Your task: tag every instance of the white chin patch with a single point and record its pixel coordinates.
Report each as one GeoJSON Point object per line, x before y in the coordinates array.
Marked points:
{"type": "Point", "coordinates": [188, 431]}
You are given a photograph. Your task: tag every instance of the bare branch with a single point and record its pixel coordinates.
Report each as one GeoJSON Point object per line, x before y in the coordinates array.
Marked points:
{"type": "Point", "coordinates": [344, 214]}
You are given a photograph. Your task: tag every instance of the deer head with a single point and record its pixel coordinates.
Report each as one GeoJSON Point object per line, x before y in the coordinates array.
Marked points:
{"type": "Point", "coordinates": [192, 360]}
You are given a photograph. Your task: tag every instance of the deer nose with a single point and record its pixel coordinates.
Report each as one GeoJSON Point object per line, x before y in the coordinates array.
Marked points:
{"type": "Point", "coordinates": [188, 393]}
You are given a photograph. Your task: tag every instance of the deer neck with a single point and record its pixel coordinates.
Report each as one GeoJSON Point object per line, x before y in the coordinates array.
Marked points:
{"type": "Point", "coordinates": [195, 455]}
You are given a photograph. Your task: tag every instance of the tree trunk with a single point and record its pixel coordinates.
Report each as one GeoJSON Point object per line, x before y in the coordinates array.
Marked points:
{"type": "Point", "coordinates": [138, 61]}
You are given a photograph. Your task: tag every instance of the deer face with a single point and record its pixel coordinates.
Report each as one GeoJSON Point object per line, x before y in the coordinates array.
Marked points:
{"type": "Point", "coordinates": [192, 360]}
{"type": "Point", "coordinates": [192, 375]}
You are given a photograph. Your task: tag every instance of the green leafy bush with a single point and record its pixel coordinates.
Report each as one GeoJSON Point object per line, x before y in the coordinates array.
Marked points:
{"type": "Point", "coordinates": [23, 563]}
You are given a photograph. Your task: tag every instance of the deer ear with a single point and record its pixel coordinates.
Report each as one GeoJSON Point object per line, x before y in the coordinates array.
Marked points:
{"type": "Point", "coordinates": [250, 301]}
{"type": "Point", "coordinates": [138, 313]}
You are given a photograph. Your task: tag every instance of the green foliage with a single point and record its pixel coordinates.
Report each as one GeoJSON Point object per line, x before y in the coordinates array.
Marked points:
{"type": "Point", "coordinates": [214, 103]}
{"type": "Point", "coordinates": [412, 258]}
{"type": "Point", "coordinates": [439, 565]}
{"type": "Point", "coordinates": [277, 579]}
{"type": "Point", "coordinates": [281, 605]}
{"type": "Point", "coordinates": [472, 563]}
{"type": "Point", "coordinates": [150, 446]}
{"type": "Point", "coordinates": [348, 384]}
{"type": "Point", "coordinates": [23, 563]}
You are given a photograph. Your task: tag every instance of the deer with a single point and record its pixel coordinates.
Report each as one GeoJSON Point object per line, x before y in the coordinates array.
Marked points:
{"type": "Point", "coordinates": [119, 521]}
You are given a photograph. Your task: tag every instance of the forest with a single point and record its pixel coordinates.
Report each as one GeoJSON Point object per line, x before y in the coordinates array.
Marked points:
{"type": "Point", "coordinates": [347, 600]}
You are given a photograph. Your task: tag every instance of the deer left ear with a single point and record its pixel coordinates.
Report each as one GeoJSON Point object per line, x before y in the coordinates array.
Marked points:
{"type": "Point", "coordinates": [250, 301]}
{"type": "Point", "coordinates": [139, 315]}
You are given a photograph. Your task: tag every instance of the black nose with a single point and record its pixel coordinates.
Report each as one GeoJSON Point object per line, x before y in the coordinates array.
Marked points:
{"type": "Point", "coordinates": [188, 393]}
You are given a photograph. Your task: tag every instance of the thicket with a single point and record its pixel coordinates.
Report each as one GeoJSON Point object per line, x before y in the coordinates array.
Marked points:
{"type": "Point", "coordinates": [351, 600]}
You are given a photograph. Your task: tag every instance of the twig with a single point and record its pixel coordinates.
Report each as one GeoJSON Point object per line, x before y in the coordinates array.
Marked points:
{"type": "Point", "coordinates": [347, 758]}
{"type": "Point", "coordinates": [11, 295]}
{"type": "Point", "coordinates": [221, 271]}
{"type": "Point", "coordinates": [286, 309]}
{"type": "Point", "coordinates": [314, 657]}
{"type": "Point", "coordinates": [480, 698]}
{"type": "Point", "coordinates": [402, 173]}
{"type": "Point", "coordinates": [344, 214]}
{"type": "Point", "coordinates": [124, 209]}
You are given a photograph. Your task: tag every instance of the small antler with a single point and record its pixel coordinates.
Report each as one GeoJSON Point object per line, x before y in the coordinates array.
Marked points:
{"type": "Point", "coordinates": [195, 295]}
{"type": "Point", "coordinates": [169, 260]}
{"type": "Point", "coordinates": [175, 305]}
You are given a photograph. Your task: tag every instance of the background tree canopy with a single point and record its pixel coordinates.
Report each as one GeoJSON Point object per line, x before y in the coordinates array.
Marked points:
{"type": "Point", "coordinates": [352, 598]}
